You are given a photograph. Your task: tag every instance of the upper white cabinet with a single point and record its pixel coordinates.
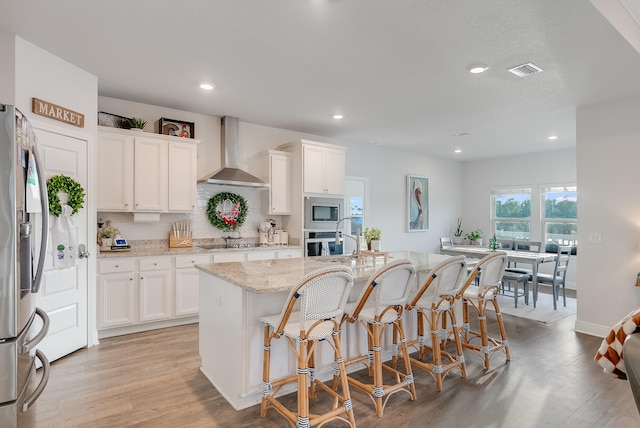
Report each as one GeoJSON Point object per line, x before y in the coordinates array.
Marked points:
{"type": "Point", "coordinates": [115, 172]}
{"type": "Point", "coordinates": [182, 176]}
{"type": "Point", "coordinates": [318, 166]}
{"type": "Point", "coordinates": [280, 180]}
{"type": "Point", "coordinates": [146, 172]}
{"type": "Point", "coordinates": [323, 169]}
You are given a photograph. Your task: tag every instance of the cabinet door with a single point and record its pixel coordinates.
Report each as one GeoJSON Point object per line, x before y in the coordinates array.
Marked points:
{"type": "Point", "coordinates": [334, 171]}
{"type": "Point", "coordinates": [313, 169]}
{"type": "Point", "coordinates": [187, 289]}
{"type": "Point", "coordinates": [280, 180]}
{"type": "Point", "coordinates": [115, 172]}
{"type": "Point", "coordinates": [116, 300]}
{"type": "Point", "coordinates": [182, 176]}
{"type": "Point", "coordinates": [155, 295]}
{"type": "Point", "coordinates": [150, 175]}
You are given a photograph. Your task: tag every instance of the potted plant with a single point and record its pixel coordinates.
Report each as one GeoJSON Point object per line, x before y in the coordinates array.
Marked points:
{"type": "Point", "coordinates": [475, 237]}
{"type": "Point", "coordinates": [372, 236]}
{"type": "Point", "coordinates": [458, 234]}
{"type": "Point", "coordinates": [106, 235]}
{"type": "Point", "coordinates": [137, 123]}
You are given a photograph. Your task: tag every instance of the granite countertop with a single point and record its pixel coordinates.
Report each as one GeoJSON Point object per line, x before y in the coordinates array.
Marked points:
{"type": "Point", "coordinates": [160, 247]}
{"type": "Point", "coordinates": [272, 276]}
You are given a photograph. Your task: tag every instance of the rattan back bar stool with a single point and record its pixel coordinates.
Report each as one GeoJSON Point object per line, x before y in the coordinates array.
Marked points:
{"type": "Point", "coordinates": [379, 306]}
{"type": "Point", "coordinates": [490, 270]}
{"type": "Point", "coordinates": [312, 313]}
{"type": "Point", "coordinates": [434, 302]}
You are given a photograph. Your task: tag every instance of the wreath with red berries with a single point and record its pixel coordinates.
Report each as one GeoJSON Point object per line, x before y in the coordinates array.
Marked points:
{"type": "Point", "coordinates": [227, 211]}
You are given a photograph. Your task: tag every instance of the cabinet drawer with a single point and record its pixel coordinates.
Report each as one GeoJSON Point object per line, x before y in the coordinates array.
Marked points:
{"type": "Point", "coordinates": [191, 261]}
{"type": "Point", "coordinates": [289, 254]}
{"type": "Point", "coordinates": [155, 263]}
{"type": "Point", "coordinates": [229, 257]}
{"type": "Point", "coordinates": [116, 265]}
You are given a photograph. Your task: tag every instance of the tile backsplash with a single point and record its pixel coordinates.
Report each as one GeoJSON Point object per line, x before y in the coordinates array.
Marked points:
{"type": "Point", "coordinates": [201, 226]}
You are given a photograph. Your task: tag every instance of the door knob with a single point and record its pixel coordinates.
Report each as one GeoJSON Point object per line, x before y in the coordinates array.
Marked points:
{"type": "Point", "coordinates": [82, 251]}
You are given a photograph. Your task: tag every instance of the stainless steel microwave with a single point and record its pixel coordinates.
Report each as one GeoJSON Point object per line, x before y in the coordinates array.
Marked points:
{"type": "Point", "coordinates": [322, 213]}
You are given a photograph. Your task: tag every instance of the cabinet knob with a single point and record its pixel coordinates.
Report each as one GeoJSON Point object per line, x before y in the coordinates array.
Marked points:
{"type": "Point", "coordinates": [126, 205]}
{"type": "Point", "coordinates": [155, 264]}
{"type": "Point", "coordinates": [130, 279]}
{"type": "Point", "coordinates": [142, 277]}
{"type": "Point", "coordinates": [117, 266]}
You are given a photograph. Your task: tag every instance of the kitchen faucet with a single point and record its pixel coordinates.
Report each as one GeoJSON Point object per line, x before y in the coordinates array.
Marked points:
{"type": "Point", "coordinates": [357, 238]}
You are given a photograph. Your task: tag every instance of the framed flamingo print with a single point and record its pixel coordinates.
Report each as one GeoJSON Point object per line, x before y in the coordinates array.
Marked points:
{"type": "Point", "coordinates": [417, 203]}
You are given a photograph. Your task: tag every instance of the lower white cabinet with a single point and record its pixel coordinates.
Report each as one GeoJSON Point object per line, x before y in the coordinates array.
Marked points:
{"type": "Point", "coordinates": [142, 293]}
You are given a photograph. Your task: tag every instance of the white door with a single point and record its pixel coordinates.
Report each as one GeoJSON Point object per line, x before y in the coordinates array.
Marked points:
{"type": "Point", "coordinates": [63, 292]}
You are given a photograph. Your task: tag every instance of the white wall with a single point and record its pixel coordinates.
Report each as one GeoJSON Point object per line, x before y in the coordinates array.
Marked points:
{"type": "Point", "coordinates": [7, 68]}
{"type": "Point", "coordinates": [608, 154]}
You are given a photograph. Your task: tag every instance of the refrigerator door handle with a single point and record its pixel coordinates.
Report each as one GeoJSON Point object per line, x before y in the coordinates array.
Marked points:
{"type": "Point", "coordinates": [29, 345]}
{"type": "Point", "coordinates": [46, 369]}
{"type": "Point", "coordinates": [44, 200]}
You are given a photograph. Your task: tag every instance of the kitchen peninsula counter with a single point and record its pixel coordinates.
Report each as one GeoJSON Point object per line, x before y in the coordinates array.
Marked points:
{"type": "Point", "coordinates": [233, 298]}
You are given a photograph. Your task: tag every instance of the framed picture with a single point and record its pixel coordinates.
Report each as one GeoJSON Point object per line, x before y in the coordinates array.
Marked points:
{"type": "Point", "coordinates": [113, 120]}
{"type": "Point", "coordinates": [417, 203]}
{"type": "Point", "coordinates": [177, 128]}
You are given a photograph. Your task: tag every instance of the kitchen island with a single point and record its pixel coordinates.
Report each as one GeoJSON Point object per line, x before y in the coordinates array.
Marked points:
{"type": "Point", "coordinates": [233, 298]}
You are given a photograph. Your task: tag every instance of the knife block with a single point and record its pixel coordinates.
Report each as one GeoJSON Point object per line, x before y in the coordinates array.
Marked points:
{"type": "Point", "coordinates": [180, 241]}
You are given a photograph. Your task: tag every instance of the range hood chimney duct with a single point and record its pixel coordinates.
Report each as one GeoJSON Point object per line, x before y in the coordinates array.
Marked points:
{"type": "Point", "coordinates": [230, 174]}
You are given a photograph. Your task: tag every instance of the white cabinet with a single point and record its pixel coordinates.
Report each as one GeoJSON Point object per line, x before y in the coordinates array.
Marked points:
{"type": "Point", "coordinates": [323, 169]}
{"type": "Point", "coordinates": [145, 172]}
{"type": "Point", "coordinates": [156, 286]}
{"type": "Point", "coordinates": [150, 174]}
{"type": "Point", "coordinates": [182, 192]}
{"type": "Point", "coordinates": [116, 294]}
{"type": "Point", "coordinates": [280, 180]}
{"type": "Point", "coordinates": [261, 255]}
{"type": "Point", "coordinates": [115, 172]}
{"type": "Point", "coordinates": [238, 256]}
{"type": "Point", "coordinates": [187, 279]}
{"type": "Point", "coordinates": [289, 254]}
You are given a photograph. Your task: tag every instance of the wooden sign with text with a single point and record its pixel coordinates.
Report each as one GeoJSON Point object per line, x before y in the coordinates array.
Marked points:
{"type": "Point", "coordinates": [53, 111]}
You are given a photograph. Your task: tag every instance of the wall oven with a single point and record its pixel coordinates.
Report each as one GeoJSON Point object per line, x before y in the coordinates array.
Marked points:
{"type": "Point", "coordinates": [322, 244]}
{"type": "Point", "coordinates": [322, 213]}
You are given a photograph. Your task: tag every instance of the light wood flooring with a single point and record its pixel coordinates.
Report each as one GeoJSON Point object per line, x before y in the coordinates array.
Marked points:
{"type": "Point", "coordinates": [152, 379]}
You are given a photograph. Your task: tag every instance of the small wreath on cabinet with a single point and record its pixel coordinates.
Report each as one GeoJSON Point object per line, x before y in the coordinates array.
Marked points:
{"type": "Point", "coordinates": [227, 211]}
{"type": "Point", "coordinates": [65, 184]}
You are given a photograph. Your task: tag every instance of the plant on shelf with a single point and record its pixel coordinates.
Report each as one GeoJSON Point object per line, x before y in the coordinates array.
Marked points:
{"type": "Point", "coordinates": [372, 234]}
{"type": "Point", "coordinates": [137, 123]}
{"type": "Point", "coordinates": [458, 234]}
{"type": "Point", "coordinates": [475, 237]}
{"type": "Point", "coordinates": [107, 233]}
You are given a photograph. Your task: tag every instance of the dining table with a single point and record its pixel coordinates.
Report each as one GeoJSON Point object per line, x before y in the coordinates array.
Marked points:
{"type": "Point", "coordinates": [513, 256]}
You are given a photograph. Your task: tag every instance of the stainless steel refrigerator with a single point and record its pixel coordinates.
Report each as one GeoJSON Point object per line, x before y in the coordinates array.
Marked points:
{"type": "Point", "coordinates": [23, 234]}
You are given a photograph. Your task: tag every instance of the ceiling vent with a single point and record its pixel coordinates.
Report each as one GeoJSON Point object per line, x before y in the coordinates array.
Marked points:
{"type": "Point", "coordinates": [525, 69]}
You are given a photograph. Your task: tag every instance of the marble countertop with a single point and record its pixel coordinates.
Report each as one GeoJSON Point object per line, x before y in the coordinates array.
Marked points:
{"type": "Point", "coordinates": [161, 248]}
{"type": "Point", "coordinates": [272, 276]}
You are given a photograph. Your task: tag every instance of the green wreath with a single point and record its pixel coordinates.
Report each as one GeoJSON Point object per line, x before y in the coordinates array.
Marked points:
{"type": "Point", "coordinates": [62, 183]}
{"type": "Point", "coordinates": [227, 211]}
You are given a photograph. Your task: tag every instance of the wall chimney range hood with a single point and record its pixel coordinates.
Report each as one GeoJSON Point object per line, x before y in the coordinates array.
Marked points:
{"type": "Point", "coordinates": [230, 174]}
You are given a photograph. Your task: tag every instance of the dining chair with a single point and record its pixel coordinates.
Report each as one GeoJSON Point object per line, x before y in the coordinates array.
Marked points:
{"type": "Point", "coordinates": [445, 243]}
{"type": "Point", "coordinates": [490, 270]}
{"type": "Point", "coordinates": [319, 299]}
{"type": "Point", "coordinates": [506, 244]}
{"type": "Point", "coordinates": [559, 276]}
{"type": "Point", "coordinates": [379, 306]}
{"type": "Point", "coordinates": [434, 304]}
{"type": "Point", "coordinates": [523, 245]}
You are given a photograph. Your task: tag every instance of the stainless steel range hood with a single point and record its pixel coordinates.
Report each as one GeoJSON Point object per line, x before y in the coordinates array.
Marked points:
{"type": "Point", "coordinates": [230, 174]}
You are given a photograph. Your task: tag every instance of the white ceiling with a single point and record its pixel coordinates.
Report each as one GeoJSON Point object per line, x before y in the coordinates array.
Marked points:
{"type": "Point", "coordinates": [395, 69]}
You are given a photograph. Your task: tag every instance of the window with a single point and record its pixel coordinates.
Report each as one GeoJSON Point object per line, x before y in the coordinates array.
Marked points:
{"type": "Point", "coordinates": [511, 213]}
{"type": "Point", "coordinates": [560, 217]}
{"type": "Point", "coordinates": [356, 212]}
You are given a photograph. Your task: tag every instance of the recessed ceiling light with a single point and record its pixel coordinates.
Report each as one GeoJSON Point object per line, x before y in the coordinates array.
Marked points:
{"type": "Point", "coordinates": [207, 86]}
{"type": "Point", "coordinates": [478, 67]}
{"type": "Point", "coordinates": [338, 116]}
{"type": "Point", "coordinates": [552, 137]}
{"type": "Point", "coordinates": [457, 151]}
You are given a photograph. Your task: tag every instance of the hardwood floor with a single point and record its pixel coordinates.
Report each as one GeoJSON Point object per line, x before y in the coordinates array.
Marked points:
{"type": "Point", "coordinates": [152, 379]}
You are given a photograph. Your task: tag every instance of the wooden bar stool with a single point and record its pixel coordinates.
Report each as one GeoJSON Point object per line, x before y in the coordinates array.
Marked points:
{"type": "Point", "coordinates": [320, 298]}
{"type": "Point", "coordinates": [380, 305]}
{"type": "Point", "coordinates": [491, 270]}
{"type": "Point", "coordinates": [434, 302]}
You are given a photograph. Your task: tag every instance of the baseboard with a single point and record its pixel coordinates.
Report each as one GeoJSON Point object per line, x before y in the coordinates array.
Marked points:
{"type": "Point", "coordinates": [591, 329]}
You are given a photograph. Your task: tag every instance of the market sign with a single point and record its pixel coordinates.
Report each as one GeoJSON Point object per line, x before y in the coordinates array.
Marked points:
{"type": "Point", "coordinates": [56, 112]}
